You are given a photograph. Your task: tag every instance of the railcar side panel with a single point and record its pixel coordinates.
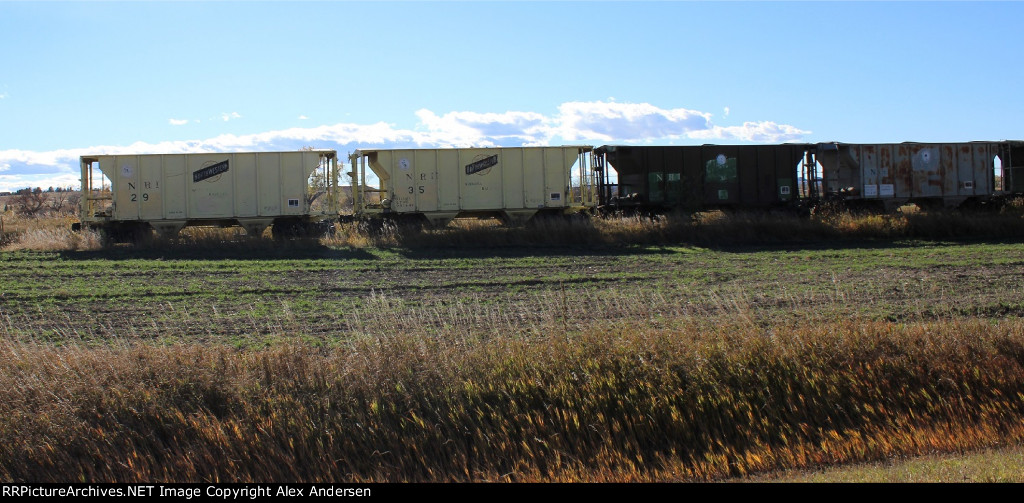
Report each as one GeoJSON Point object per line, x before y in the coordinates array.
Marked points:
{"type": "Point", "coordinates": [168, 191]}
{"type": "Point", "coordinates": [947, 173]}
{"type": "Point", "coordinates": [443, 183]}
{"type": "Point", "coordinates": [703, 176]}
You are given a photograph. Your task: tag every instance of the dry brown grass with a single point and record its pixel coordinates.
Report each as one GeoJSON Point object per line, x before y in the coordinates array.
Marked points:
{"type": "Point", "coordinates": [937, 224]}
{"type": "Point", "coordinates": [628, 403]}
{"type": "Point", "coordinates": [704, 229]}
{"type": "Point", "coordinates": [50, 233]}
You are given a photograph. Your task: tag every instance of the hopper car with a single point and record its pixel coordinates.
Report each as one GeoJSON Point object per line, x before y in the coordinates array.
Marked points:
{"type": "Point", "coordinates": [438, 185]}
{"type": "Point", "coordinates": [882, 177]}
{"type": "Point", "coordinates": [166, 192]}
{"type": "Point", "coordinates": [657, 179]}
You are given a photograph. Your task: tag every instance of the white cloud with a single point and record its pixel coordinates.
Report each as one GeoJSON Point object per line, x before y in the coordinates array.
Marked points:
{"type": "Point", "coordinates": [465, 129]}
{"type": "Point", "coordinates": [232, 115]}
{"type": "Point", "coordinates": [626, 122]}
{"type": "Point", "coordinates": [303, 117]}
{"type": "Point", "coordinates": [178, 122]}
{"type": "Point", "coordinates": [758, 132]}
{"type": "Point", "coordinates": [3, 95]}
{"type": "Point", "coordinates": [575, 122]}
{"type": "Point", "coordinates": [726, 110]}
{"type": "Point", "coordinates": [591, 122]}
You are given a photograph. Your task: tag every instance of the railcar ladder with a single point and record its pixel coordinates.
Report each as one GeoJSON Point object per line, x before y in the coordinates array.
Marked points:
{"type": "Point", "coordinates": [95, 202]}
{"type": "Point", "coordinates": [605, 188]}
{"type": "Point", "coordinates": [810, 172]}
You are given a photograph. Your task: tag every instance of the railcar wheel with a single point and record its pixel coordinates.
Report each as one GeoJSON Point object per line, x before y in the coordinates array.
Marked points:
{"type": "Point", "coordinates": [288, 228]}
{"type": "Point", "coordinates": [128, 232]}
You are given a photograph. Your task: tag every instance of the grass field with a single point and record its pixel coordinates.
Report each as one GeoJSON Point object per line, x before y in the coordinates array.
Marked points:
{"type": "Point", "coordinates": [459, 355]}
{"type": "Point", "coordinates": [1002, 464]}
{"type": "Point", "coordinates": [324, 296]}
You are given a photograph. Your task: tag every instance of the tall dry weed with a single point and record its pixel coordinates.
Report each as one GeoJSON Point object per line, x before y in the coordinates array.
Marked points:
{"type": "Point", "coordinates": [713, 228]}
{"type": "Point", "coordinates": [55, 239]}
{"type": "Point", "coordinates": [624, 404]}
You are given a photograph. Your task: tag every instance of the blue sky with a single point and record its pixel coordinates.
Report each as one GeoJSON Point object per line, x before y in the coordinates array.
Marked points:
{"type": "Point", "coordinates": [159, 77]}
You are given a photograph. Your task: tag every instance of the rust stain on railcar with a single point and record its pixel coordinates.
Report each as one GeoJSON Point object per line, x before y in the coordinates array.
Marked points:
{"type": "Point", "coordinates": [869, 167]}
{"type": "Point", "coordinates": [966, 182]}
{"type": "Point", "coordinates": [983, 169]}
{"type": "Point", "coordinates": [904, 172]}
{"type": "Point", "coordinates": [886, 174]}
{"type": "Point", "coordinates": [948, 175]}
{"type": "Point", "coordinates": [925, 170]}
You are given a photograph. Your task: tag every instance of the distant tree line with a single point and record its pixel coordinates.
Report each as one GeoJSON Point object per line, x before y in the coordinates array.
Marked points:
{"type": "Point", "coordinates": [39, 190]}
{"type": "Point", "coordinates": [37, 202]}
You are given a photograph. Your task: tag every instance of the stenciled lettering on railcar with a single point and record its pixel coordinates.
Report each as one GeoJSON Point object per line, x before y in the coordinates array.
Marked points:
{"type": "Point", "coordinates": [210, 171]}
{"type": "Point", "coordinates": [482, 164]}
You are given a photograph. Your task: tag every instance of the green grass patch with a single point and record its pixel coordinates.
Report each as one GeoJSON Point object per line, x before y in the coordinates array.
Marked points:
{"type": "Point", "coordinates": [988, 465]}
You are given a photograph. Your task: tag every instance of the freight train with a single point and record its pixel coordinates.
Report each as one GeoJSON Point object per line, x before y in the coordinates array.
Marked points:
{"type": "Point", "coordinates": [295, 193]}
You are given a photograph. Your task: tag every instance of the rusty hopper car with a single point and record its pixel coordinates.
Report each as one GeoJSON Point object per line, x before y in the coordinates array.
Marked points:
{"type": "Point", "coordinates": [930, 175]}
{"type": "Point", "coordinates": [438, 185]}
{"type": "Point", "coordinates": [166, 192]}
{"type": "Point", "coordinates": [662, 178]}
